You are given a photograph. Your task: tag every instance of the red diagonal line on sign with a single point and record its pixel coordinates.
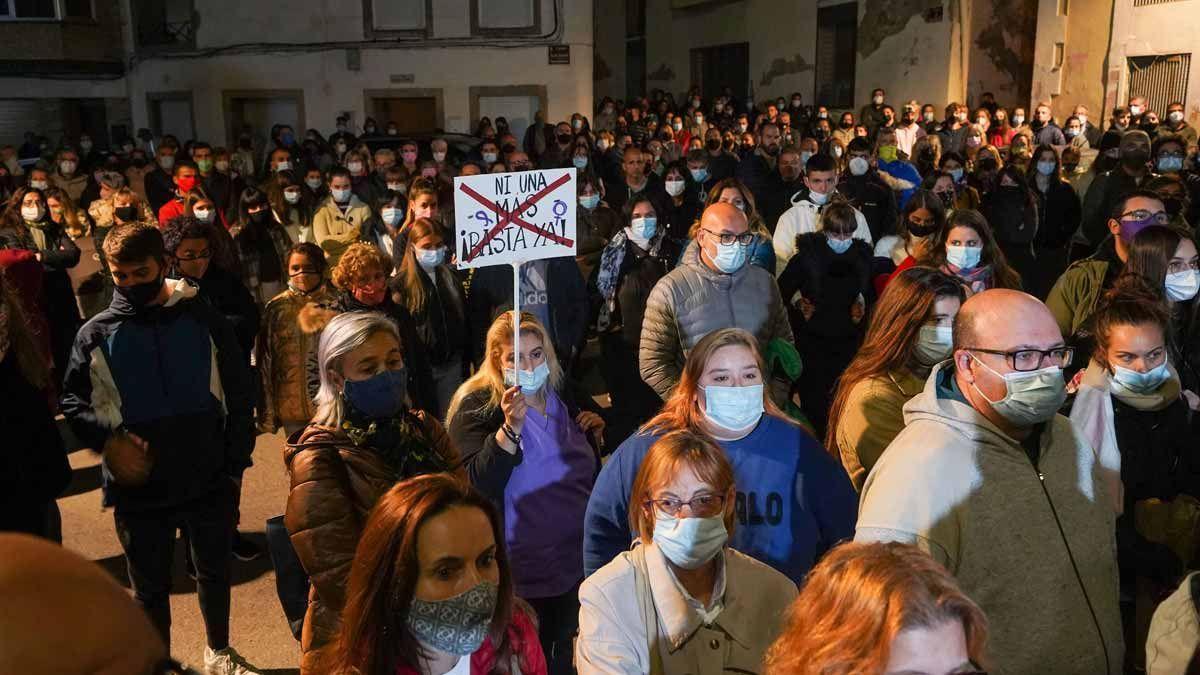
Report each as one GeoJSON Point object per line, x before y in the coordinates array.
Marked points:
{"type": "Point", "coordinates": [505, 217]}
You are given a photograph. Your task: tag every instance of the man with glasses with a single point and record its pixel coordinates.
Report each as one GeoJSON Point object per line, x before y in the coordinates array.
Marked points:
{"type": "Point", "coordinates": [713, 287]}
{"type": "Point", "coordinates": [1074, 296]}
{"type": "Point", "coordinates": [1110, 186]}
{"type": "Point", "coordinates": [998, 487]}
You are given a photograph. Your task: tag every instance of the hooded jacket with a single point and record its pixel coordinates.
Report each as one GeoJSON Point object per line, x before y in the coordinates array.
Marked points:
{"type": "Point", "coordinates": [802, 218]}
{"type": "Point", "coordinates": [173, 374]}
{"type": "Point", "coordinates": [693, 300]}
{"type": "Point", "coordinates": [284, 349]}
{"type": "Point", "coordinates": [1032, 543]}
{"type": "Point", "coordinates": [334, 231]}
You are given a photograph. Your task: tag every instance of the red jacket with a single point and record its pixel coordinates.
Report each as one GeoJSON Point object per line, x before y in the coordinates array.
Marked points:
{"type": "Point", "coordinates": [525, 646]}
{"type": "Point", "coordinates": [883, 280]}
{"type": "Point", "coordinates": [171, 209]}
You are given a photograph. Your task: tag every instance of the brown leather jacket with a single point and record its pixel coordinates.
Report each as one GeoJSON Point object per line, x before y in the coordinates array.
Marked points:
{"type": "Point", "coordinates": [286, 344]}
{"type": "Point", "coordinates": [334, 484]}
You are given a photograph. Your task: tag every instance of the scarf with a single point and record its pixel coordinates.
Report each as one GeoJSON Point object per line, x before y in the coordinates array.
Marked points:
{"type": "Point", "coordinates": [37, 232]}
{"type": "Point", "coordinates": [401, 442]}
{"type": "Point", "coordinates": [607, 278]}
{"type": "Point", "coordinates": [977, 279]}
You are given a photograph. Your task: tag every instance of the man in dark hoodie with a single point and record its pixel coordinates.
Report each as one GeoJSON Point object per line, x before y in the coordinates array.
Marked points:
{"type": "Point", "coordinates": [158, 383]}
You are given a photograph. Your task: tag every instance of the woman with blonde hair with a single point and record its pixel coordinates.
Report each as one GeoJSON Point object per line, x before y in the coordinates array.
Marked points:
{"type": "Point", "coordinates": [880, 608]}
{"type": "Point", "coordinates": [530, 453]}
{"type": "Point", "coordinates": [681, 585]}
{"type": "Point", "coordinates": [721, 395]}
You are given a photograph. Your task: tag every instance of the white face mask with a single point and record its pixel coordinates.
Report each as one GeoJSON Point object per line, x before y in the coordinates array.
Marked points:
{"type": "Point", "coordinates": [934, 345]}
{"type": "Point", "coordinates": [67, 167]}
{"type": "Point", "coordinates": [312, 183]}
{"type": "Point", "coordinates": [39, 184]}
{"type": "Point", "coordinates": [689, 542]}
{"type": "Point", "coordinates": [1182, 286]}
{"type": "Point", "coordinates": [291, 196]}
{"type": "Point", "coordinates": [32, 213]}
{"type": "Point", "coordinates": [283, 166]}
{"type": "Point", "coordinates": [354, 167]}
{"type": "Point", "coordinates": [674, 187]}
{"type": "Point", "coordinates": [1175, 116]}
{"type": "Point", "coordinates": [439, 156]}
{"type": "Point", "coordinates": [430, 258]}
{"type": "Point", "coordinates": [203, 215]}
{"type": "Point", "coordinates": [1082, 119]}
{"type": "Point", "coordinates": [396, 187]}
{"type": "Point", "coordinates": [340, 196]}
{"type": "Point", "coordinates": [391, 215]}
{"type": "Point", "coordinates": [859, 165]}
{"type": "Point", "coordinates": [1030, 397]}
{"type": "Point", "coordinates": [1135, 110]}
{"type": "Point", "coordinates": [818, 198]}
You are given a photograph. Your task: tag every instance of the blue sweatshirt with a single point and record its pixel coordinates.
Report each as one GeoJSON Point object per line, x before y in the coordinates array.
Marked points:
{"type": "Point", "coordinates": [794, 501]}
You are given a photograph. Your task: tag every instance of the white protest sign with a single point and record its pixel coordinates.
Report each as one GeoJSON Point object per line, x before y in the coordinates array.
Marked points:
{"type": "Point", "coordinates": [504, 218]}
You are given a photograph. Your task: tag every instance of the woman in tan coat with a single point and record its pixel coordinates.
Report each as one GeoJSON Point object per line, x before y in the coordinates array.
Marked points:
{"type": "Point", "coordinates": [361, 442]}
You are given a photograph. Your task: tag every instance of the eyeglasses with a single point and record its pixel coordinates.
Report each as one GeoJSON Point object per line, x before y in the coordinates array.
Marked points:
{"type": "Point", "coordinates": [1025, 360]}
{"type": "Point", "coordinates": [701, 506]}
{"type": "Point", "coordinates": [200, 255]}
{"type": "Point", "coordinates": [1177, 267]}
{"type": "Point", "coordinates": [727, 238]}
{"type": "Point", "coordinates": [1159, 217]}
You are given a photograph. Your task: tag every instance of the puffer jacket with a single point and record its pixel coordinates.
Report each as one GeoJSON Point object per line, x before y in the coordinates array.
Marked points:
{"type": "Point", "coordinates": [101, 211]}
{"type": "Point", "coordinates": [73, 186]}
{"type": "Point", "coordinates": [283, 351]}
{"type": "Point", "coordinates": [334, 484]}
{"type": "Point", "coordinates": [694, 300]}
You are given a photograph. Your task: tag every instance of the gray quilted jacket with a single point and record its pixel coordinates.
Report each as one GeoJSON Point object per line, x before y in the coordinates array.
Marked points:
{"type": "Point", "coordinates": [692, 301]}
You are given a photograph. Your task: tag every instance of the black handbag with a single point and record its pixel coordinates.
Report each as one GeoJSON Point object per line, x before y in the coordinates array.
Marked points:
{"type": "Point", "coordinates": [291, 581]}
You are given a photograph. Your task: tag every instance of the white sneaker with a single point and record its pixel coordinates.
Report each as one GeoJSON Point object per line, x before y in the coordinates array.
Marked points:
{"type": "Point", "coordinates": [226, 662]}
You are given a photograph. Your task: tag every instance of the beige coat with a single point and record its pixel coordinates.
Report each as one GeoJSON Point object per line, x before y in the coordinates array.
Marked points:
{"type": "Point", "coordinates": [612, 632]}
{"type": "Point", "coordinates": [334, 231]}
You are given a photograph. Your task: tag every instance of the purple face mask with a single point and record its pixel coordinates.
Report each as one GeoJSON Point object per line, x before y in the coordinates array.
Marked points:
{"type": "Point", "coordinates": [1130, 228]}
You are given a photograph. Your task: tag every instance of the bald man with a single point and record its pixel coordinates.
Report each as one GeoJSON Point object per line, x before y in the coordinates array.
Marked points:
{"type": "Point", "coordinates": [64, 615]}
{"type": "Point", "coordinates": [713, 287]}
{"type": "Point", "coordinates": [993, 483]}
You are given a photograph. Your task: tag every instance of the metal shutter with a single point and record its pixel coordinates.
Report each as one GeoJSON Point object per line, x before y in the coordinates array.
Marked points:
{"type": "Point", "coordinates": [1160, 79]}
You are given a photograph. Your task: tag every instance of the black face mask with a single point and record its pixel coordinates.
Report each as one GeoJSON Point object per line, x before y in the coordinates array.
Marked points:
{"type": "Point", "coordinates": [140, 295]}
{"type": "Point", "coordinates": [564, 138]}
{"type": "Point", "coordinates": [509, 149]}
{"type": "Point", "coordinates": [139, 162]}
{"type": "Point", "coordinates": [712, 144]}
{"type": "Point", "coordinates": [127, 214]}
{"type": "Point", "coordinates": [847, 125]}
{"type": "Point", "coordinates": [921, 230]}
{"type": "Point", "coordinates": [1135, 159]}
{"type": "Point", "coordinates": [258, 217]}
{"type": "Point", "coordinates": [1173, 205]}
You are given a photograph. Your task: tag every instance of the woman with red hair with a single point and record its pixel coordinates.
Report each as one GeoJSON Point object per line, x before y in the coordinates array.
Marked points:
{"type": "Point", "coordinates": [880, 608]}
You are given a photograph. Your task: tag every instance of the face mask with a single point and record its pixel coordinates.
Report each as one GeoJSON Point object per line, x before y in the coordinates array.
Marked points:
{"type": "Point", "coordinates": [1168, 164]}
{"type": "Point", "coordinates": [1082, 119]}
{"type": "Point", "coordinates": [677, 126]}
{"type": "Point", "coordinates": [839, 246]}
{"type": "Point", "coordinates": [354, 167]}
{"type": "Point", "coordinates": [563, 139]}
{"type": "Point", "coordinates": [391, 215]}
{"type": "Point", "coordinates": [185, 185]}
{"type": "Point", "coordinates": [380, 396]}
{"type": "Point", "coordinates": [531, 380]}
{"type": "Point", "coordinates": [1018, 120]}
{"type": "Point", "coordinates": [877, 100]}
{"type": "Point", "coordinates": [822, 115]}
{"type": "Point", "coordinates": [203, 215]}
{"type": "Point", "coordinates": [674, 187]}
{"type": "Point", "coordinates": [205, 165]}
{"type": "Point", "coordinates": [818, 198]}
{"type": "Point", "coordinates": [733, 408]}
{"type": "Point", "coordinates": [258, 217]}
{"type": "Point", "coordinates": [1045, 168]}
{"type": "Point", "coordinates": [283, 166]}
{"type": "Point", "coordinates": [341, 148]}
{"type": "Point", "coordinates": [742, 127]}
{"type": "Point", "coordinates": [1182, 286]}
{"type": "Point", "coordinates": [66, 167]}
{"type": "Point", "coordinates": [591, 201]}
{"type": "Point", "coordinates": [312, 183]}
{"type": "Point", "coordinates": [291, 196]}
{"type": "Point", "coordinates": [689, 542]}
{"type": "Point", "coordinates": [430, 258]}
{"type": "Point", "coordinates": [32, 213]}
{"type": "Point", "coordinates": [887, 153]}
{"type": "Point", "coordinates": [429, 172]}
{"type": "Point", "coordinates": [1175, 116]}
{"type": "Point", "coordinates": [982, 121]}
{"type": "Point", "coordinates": [39, 184]}
{"type": "Point", "coordinates": [1071, 132]}
{"type": "Point", "coordinates": [439, 156]}
{"type": "Point", "coordinates": [963, 257]}
{"type": "Point", "coordinates": [140, 295]}
{"type": "Point", "coordinates": [644, 227]}
{"type": "Point", "coordinates": [730, 257]}
{"type": "Point", "coordinates": [580, 161]}
{"type": "Point", "coordinates": [837, 150]}
{"type": "Point", "coordinates": [928, 117]}
{"type": "Point", "coordinates": [957, 174]}
{"type": "Point", "coordinates": [127, 214]}
{"type": "Point", "coordinates": [1135, 110]}
{"type": "Point", "coordinates": [392, 132]}
{"type": "Point", "coordinates": [1130, 228]}
{"type": "Point", "coordinates": [340, 196]}
{"type": "Point", "coordinates": [699, 175]}
{"type": "Point", "coordinates": [167, 162]}
{"type": "Point", "coordinates": [805, 155]}
{"type": "Point", "coordinates": [369, 129]}
{"type": "Point", "coordinates": [86, 146]}
{"type": "Point", "coordinates": [946, 197]}
{"type": "Point", "coordinates": [859, 166]}
{"type": "Point", "coordinates": [455, 625]}
{"type": "Point", "coordinates": [1141, 383]}
{"type": "Point", "coordinates": [489, 157]}
{"type": "Point", "coordinates": [1031, 398]}
{"type": "Point", "coordinates": [602, 145]}
{"type": "Point", "coordinates": [934, 345]}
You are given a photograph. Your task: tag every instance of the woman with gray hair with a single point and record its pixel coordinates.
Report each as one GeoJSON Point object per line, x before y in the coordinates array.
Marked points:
{"type": "Point", "coordinates": [362, 440]}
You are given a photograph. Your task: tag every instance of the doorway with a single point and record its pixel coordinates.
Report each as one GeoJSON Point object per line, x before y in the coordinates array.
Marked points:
{"type": "Point", "coordinates": [517, 104]}
{"type": "Point", "coordinates": [415, 111]}
{"type": "Point", "coordinates": [171, 113]}
{"type": "Point", "coordinates": [714, 68]}
{"type": "Point", "coordinates": [260, 110]}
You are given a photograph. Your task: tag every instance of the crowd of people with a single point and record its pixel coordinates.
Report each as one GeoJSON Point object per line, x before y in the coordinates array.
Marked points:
{"type": "Point", "coordinates": [881, 391]}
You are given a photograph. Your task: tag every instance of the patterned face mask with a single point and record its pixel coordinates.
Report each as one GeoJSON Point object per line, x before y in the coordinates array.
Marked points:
{"type": "Point", "coordinates": [455, 625]}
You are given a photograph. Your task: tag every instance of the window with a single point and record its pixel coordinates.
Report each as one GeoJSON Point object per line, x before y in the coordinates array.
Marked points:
{"type": "Point", "coordinates": [635, 48]}
{"type": "Point", "coordinates": [396, 18]}
{"type": "Point", "coordinates": [164, 25]}
{"type": "Point", "coordinates": [1063, 7]}
{"type": "Point", "coordinates": [837, 51]}
{"type": "Point", "coordinates": [506, 17]}
{"type": "Point", "coordinates": [1161, 79]}
{"type": "Point", "coordinates": [45, 10]}
{"type": "Point", "coordinates": [1059, 50]}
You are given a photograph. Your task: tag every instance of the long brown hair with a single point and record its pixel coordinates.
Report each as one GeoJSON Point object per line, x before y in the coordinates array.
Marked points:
{"type": "Point", "coordinates": [75, 223]}
{"type": "Point", "coordinates": [31, 359]}
{"type": "Point", "coordinates": [682, 409]}
{"type": "Point", "coordinates": [1003, 275]}
{"type": "Point", "coordinates": [906, 304]}
{"type": "Point", "coordinates": [411, 285]}
{"type": "Point", "coordinates": [374, 638]}
{"type": "Point", "coordinates": [858, 599]}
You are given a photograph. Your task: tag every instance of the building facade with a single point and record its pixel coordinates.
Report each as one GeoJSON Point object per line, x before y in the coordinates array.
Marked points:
{"type": "Point", "coordinates": [205, 68]}
{"type": "Point", "coordinates": [832, 52]}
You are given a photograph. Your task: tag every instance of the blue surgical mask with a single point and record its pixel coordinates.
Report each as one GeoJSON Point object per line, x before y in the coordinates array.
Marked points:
{"type": "Point", "coordinates": [839, 246]}
{"type": "Point", "coordinates": [1170, 164]}
{"type": "Point", "coordinates": [391, 215]}
{"type": "Point", "coordinates": [957, 174]}
{"type": "Point", "coordinates": [589, 202]}
{"type": "Point", "coordinates": [340, 196]}
{"type": "Point", "coordinates": [1030, 397]}
{"type": "Point", "coordinates": [531, 380]}
{"type": "Point", "coordinates": [733, 408]}
{"type": "Point", "coordinates": [580, 161]}
{"type": "Point", "coordinates": [430, 258]}
{"type": "Point", "coordinates": [730, 257]}
{"type": "Point", "coordinates": [644, 227]}
{"type": "Point", "coordinates": [963, 257]}
{"type": "Point", "coordinates": [699, 175]}
{"type": "Point", "coordinates": [380, 396]}
{"type": "Point", "coordinates": [689, 542]}
{"type": "Point", "coordinates": [1045, 168]}
{"type": "Point", "coordinates": [1141, 383]}
{"type": "Point", "coordinates": [934, 345]}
